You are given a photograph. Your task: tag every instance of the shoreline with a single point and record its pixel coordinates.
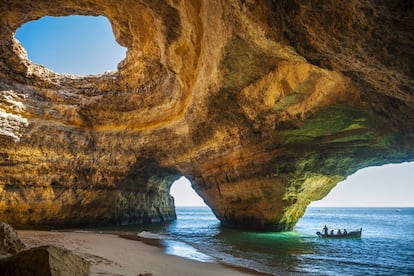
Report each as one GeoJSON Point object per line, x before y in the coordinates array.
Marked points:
{"type": "Point", "coordinates": [159, 243]}
{"type": "Point", "coordinates": [114, 254]}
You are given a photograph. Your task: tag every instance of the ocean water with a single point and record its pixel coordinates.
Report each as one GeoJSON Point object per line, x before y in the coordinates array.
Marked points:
{"type": "Point", "coordinates": [386, 246]}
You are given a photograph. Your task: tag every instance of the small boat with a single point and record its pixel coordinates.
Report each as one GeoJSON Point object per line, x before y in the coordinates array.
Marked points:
{"type": "Point", "coordinates": [348, 235]}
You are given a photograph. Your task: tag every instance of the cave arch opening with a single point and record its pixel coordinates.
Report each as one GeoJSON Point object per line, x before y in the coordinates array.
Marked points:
{"type": "Point", "coordinates": [184, 194]}
{"type": "Point", "coordinates": [379, 186]}
{"type": "Point", "coordinates": [75, 44]}
{"type": "Point", "coordinates": [193, 215]}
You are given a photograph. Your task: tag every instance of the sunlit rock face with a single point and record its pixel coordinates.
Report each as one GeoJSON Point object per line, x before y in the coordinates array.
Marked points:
{"type": "Point", "coordinates": [264, 105]}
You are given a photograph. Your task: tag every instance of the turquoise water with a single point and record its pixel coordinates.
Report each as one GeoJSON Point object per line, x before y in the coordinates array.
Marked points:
{"type": "Point", "coordinates": [386, 246]}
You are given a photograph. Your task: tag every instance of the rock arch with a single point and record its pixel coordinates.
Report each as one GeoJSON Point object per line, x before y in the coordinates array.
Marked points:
{"type": "Point", "coordinates": [258, 103]}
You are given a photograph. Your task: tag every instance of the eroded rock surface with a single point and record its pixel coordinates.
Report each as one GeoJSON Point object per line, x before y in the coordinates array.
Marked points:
{"type": "Point", "coordinates": [45, 260]}
{"type": "Point", "coordinates": [264, 105]}
{"type": "Point", "coordinates": [10, 242]}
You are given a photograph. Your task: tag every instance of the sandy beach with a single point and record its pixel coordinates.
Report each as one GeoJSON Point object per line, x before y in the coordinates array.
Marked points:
{"type": "Point", "coordinates": [110, 254]}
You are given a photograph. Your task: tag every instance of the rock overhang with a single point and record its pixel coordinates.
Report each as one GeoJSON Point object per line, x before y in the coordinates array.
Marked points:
{"type": "Point", "coordinates": [220, 92]}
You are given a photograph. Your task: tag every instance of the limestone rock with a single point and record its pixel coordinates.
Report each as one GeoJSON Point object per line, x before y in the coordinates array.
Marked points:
{"type": "Point", "coordinates": [10, 242]}
{"type": "Point", "coordinates": [45, 260]}
{"type": "Point", "coordinates": [264, 105]}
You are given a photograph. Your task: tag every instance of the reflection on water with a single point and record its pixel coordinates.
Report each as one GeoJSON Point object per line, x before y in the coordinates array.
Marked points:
{"type": "Point", "coordinates": [181, 249]}
{"type": "Point", "coordinates": [268, 252]}
{"type": "Point", "coordinates": [198, 229]}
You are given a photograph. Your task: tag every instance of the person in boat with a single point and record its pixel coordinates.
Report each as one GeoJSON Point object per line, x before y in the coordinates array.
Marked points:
{"type": "Point", "coordinates": [325, 230]}
{"type": "Point", "coordinates": [345, 232]}
{"type": "Point", "coordinates": [339, 232]}
{"type": "Point", "coordinates": [332, 232]}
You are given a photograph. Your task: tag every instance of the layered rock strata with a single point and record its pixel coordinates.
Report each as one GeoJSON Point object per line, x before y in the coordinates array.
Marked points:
{"type": "Point", "coordinates": [264, 105]}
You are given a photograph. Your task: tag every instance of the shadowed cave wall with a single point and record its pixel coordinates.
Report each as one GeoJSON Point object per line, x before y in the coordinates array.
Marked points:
{"type": "Point", "coordinates": [263, 105]}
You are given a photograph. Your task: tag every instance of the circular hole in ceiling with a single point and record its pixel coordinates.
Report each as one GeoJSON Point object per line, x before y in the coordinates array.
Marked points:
{"type": "Point", "coordinates": [80, 45]}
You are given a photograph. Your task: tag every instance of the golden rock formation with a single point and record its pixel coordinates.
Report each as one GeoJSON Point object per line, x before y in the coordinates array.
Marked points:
{"type": "Point", "coordinates": [264, 105]}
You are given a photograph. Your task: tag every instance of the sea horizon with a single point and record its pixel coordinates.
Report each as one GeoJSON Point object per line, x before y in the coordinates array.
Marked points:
{"type": "Point", "coordinates": [195, 206]}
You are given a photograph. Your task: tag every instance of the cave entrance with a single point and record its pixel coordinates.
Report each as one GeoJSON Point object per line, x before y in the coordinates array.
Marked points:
{"type": "Point", "coordinates": [194, 220]}
{"type": "Point", "coordinates": [81, 45]}
{"type": "Point", "coordinates": [384, 186]}
{"type": "Point", "coordinates": [184, 195]}
{"type": "Point", "coordinates": [193, 214]}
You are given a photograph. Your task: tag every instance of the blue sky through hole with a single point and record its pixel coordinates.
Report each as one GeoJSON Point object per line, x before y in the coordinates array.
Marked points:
{"type": "Point", "coordinates": [86, 45]}
{"type": "Point", "coordinates": [82, 45]}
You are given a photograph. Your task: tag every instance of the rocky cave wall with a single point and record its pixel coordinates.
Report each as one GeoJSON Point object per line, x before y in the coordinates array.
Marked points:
{"type": "Point", "coordinates": [264, 105]}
